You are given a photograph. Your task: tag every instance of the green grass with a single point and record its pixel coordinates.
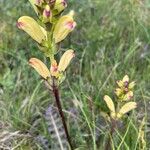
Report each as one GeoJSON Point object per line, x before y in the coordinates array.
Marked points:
{"type": "Point", "coordinates": [112, 38]}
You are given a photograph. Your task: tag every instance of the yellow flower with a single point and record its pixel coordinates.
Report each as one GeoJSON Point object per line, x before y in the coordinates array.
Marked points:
{"type": "Point", "coordinates": [110, 105]}
{"type": "Point", "coordinates": [124, 81]}
{"type": "Point", "coordinates": [63, 64]}
{"type": "Point", "coordinates": [65, 60]}
{"type": "Point", "coordinates": [40, 67]}
{"type": "Point", "coordinates": [30, 26]}
{"type": "Point", "coordinates": [124, 109]}
{"type": "Point", "coordinates": [47, 14]}
{"type": "Point", "coordinates": [63, 27]}
{"type": "Point", "coordinates": [131, 85]}
{"type": "Point", "coordinates": [60, 5]}
{"type": "Point", "coordinates": [55, 70]}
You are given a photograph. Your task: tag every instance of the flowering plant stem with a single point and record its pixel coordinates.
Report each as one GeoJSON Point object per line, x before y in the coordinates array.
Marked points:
{"type": "Point", "coordinates": [113, 127]}
{"type": "Point", "coordinates": [55, 91]}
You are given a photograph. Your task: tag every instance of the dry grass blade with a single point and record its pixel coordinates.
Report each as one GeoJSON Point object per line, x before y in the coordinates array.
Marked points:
{"type": "Point", "coordinates": [56, 130]}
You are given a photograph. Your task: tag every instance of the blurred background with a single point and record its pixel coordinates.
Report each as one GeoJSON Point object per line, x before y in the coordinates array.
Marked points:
{"type": "Point", "coordinates": [112, 39]}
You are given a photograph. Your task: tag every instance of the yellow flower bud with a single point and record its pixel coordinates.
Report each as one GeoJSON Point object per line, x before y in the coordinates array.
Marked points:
{"type": "Point", "coordinates": [47, 14]}
{"type": "Point", "coordinates": [65, 60]}
{"type": "Point", "coordinates": [126, 108]}
{"type": "Point", "coordinates": [125, 78]}
{"type": "Point", "coordinates": [60, 5]}
{"type": "Point", "coordinates": [54, 69]}
{"type": "Point", "coordinates": [63, 27]}
{"type": "Point", "coordinates": [128, 96]}
{"type": "Point", "coordinates": [40, 67]}
{"type": "Point", "coordinates": [118, 91]}
{"type": "Point", "coordinates": [30, 26]}
{"type": "Point", "coordinates": [124, 82]}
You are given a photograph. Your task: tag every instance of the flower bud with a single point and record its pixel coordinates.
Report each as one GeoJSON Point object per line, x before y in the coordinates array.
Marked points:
{"type": "Point", "coordinates": [40, 67]}
{"type": "Point", "coordinates": [64, 26]}
{"type": "Point", "coordinates": [38, 2]}
{"type": "Point", "coordinates": [34, 3]}
{"type": "Point", "coordinates": [60, 5]}
{"type": "Point", "coordinates": [54, 68]}
{"type": "Point", "coordinates": [65, 60]}
{"type": "Point", "coordinates": [118, 91]}
{"type": "Point", "coordinates": [125, 79]}
{"type": "Point", "coordinates": [51, 2]}
{"type": "Point", "coordinates": [124, 82]}
{"type": "Point", "coordinates": [47, 14]}
{"type": "Point", "coordinates": [128, 96]}
{"type": "Point", "coordinates": [30, 26]}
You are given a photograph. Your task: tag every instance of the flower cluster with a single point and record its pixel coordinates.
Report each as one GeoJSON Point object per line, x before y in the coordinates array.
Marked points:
{"type": "Point", "coordinates": [48, 31]}
{"type": "Point", "coordinates": [124, 93]}
{"type": "Point", "coordinates": [55, 70]}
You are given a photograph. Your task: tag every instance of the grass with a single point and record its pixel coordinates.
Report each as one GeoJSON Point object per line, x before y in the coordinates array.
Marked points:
{"type": "Point", "coordinates": [111, 39]}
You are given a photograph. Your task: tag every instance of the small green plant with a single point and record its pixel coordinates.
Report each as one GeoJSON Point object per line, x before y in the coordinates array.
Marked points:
{"type": "Point", "coordinates": [124, 104]}
{"type": "Point", "coordinates": [48, 31]}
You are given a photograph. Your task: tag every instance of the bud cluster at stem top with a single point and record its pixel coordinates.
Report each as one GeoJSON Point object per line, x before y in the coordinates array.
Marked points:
{"type": "Point", "coordinates": [48, 8]}
{"type": "Point", "coordinates": [124, 91]}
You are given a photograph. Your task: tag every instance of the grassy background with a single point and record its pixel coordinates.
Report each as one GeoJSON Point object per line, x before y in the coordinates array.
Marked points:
{"type": "Point", "coordinates": [112, 39]}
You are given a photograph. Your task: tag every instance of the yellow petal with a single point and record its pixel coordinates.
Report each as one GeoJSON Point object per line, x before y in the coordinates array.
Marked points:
{"type": "Point", "coordinates": [109, 103]}
{"type": "Point", "coordinates": [65, 60]}
{"type": "Point", "coordinates": [125, 78]}
{"type": "Point", "coordinates": [60, 5]}
{"type": "Point", "coordinates": [120, 83]}
{"type": "Point", "coordinates": [126, 108]}
{"type": "Point", "coordinates": [131, 85]}
{"type": "Point", "coordinates": [40, 67]}
{"type": "Point", "coordinates": [30, 26]}
{"type": "Point", "coordinates": [63, 27]}
{"type": "Point", "coordinates": [118, 91]}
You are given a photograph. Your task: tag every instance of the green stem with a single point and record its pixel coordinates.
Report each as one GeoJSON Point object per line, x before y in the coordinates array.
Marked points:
{"type": "Point", "coordinates": [90, 128]}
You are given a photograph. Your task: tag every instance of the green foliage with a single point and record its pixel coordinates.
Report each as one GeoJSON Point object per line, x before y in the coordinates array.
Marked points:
{"type": "Point", "coordinates": [111, 39]}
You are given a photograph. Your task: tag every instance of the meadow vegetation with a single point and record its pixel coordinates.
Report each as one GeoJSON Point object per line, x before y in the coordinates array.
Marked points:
{"type": "Point", "coordinates": [111, 40]}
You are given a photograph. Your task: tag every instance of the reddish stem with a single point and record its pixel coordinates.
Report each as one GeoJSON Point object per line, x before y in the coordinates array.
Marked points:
{"type": "Point", "coordinates": [58, 103]}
